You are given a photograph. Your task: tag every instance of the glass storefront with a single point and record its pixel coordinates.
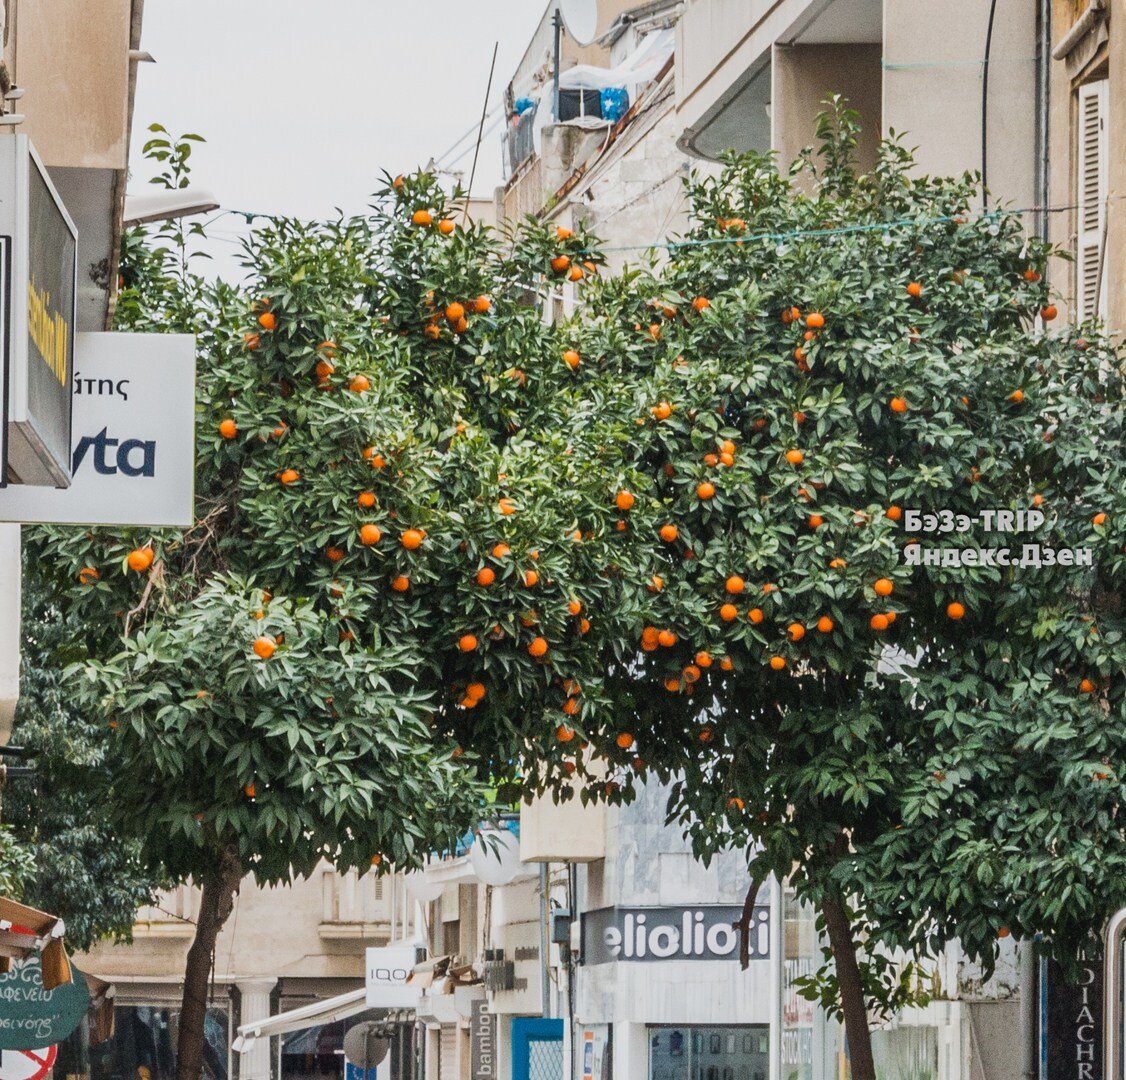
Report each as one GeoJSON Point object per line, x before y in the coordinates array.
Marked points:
{"type": "Point", "coordinates": [143, 1046]}
{"type": "Point", "coordinates": [709, 1053]}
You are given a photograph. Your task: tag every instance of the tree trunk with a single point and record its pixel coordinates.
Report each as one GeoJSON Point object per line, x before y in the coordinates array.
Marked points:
{"type": "Point", "coordinates": [219, 891]}
{"type": "Point", "coordinates": [852, 992]}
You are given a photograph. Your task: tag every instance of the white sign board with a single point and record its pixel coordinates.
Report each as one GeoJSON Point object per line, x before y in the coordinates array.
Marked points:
{"type": "Point", "coordinates": [133, 440]}
{"type": "Point", "coordinates": [387, 972]}
{"type": "Point", "coordinates": [27, 1064]}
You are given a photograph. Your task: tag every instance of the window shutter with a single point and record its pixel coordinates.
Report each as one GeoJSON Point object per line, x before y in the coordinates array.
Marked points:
{"type": "Point", "coordinates": [447, 1068]}
{"type": "Point", "coordinates": [1092, 189]}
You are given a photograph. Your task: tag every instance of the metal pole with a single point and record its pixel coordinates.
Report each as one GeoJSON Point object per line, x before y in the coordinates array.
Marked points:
{"type": "Point", "coordinates": [557, 22]}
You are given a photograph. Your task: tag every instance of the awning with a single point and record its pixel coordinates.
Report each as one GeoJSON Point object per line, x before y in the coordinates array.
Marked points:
{"type": "Point", "coordinates": [320, 1012]}
{"type": "Point", "coordinates": [25, 931]}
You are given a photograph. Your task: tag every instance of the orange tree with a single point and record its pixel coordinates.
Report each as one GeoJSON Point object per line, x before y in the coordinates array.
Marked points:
{"type": "Point", "coordinates": [443, 541]}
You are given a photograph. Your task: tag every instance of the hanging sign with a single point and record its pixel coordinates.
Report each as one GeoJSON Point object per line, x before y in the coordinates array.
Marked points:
{"type": "Point", "coordinates": [133, 444]}
{"type": "Point", "coordinates": [27, 1064]}
{"type": "Point", "coordinates": [31, 1016]}
{"type": "Point", "coordinates": [482, 1041]}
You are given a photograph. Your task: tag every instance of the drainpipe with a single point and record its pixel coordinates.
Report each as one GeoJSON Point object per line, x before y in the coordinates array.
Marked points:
{"type": "Point", "coordinates": [1043, 84]}
{"type": "Point", "coordinates": [1029, 1010]}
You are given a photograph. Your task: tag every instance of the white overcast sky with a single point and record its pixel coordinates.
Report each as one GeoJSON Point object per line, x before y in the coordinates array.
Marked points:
{"type": "Point", "coordinates": [303, 102]}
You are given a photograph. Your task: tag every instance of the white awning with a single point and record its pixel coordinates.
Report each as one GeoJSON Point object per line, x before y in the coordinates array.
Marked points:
{"type": "Point", "coordinates": [320, 1012]}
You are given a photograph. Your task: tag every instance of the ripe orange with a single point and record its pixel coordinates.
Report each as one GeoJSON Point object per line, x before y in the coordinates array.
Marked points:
{"type": "Point", "coordinates": [334, 553]}
{"type": "Point", "coordinates": [882, 586]}
{"type": "Point", "coordinates": [662, 410]}
{"type": "Point", "coordinates": [666, 639]}
{"type": "Point", "coordinates": [1086, 686]}
{"type": "Point", "coordinates": [250, 791]}
{"type": "Point", "coordinates": [571, 706]}
{"type": "Point", "coordinates": [727, 664]}
{"type": "Point", "coordinates": [422, 217]}
{"type": "Point", "coordinates": [486, 576]}
{"type": "Point", "coordinates": [366, 499]}
{"type": "Point", "coordinates": [251, 341]}
{"type": "Point", "coordinates": [735, 584]}
{"type": "Point", "coordinates": [703, 658]}
{"type": "Point", "coordinates": [370, 534]}
{"type": "Point", "coordinates": [289, 476]}
{"type": "Point", "coordinates": [475, 691]}
{"type": "Point", "coordinates": [777, 662]}
{"type": "Point", "coordinates": [701, 303]}
{"type": "Point", "coordinates": [575, 273]}
{"type": "Point", "coordinates": [1048, 312]}
{"type": "Point", "coordinates": [837, 564]}
{"type": "Point", "coordinates": [446, 226]}
{"type": "Point", "coordinates": [584, 626]}
{"type": "Point", "coordinates": [825, 624]}
{"type": "Point", "coordinates": [878, 622]}
{"type": "Point", "coordinates": [359, 384]}
{"type": "Point", "coordinates": [563, 232]}
{"type": "Point", "coordinates": [796, 631]}
{"type": "Point", "coordinates": [140, 559]}
{"type": "Point", "coordinates": [816, 521]}
{"type": "Point", "coordinates": [324, 369]}
{"type": "Point", "coordinates": [412, 539]}
{"type": "Point", "coordinates": [531, 577]}
{"type": "Point", "coordinates": [691, 673]}
{"type": "Point", "coordinates": [815, 320]}
{"type": "Point", "coordinates": [1099, 519]}
{"type": "Point", "coordinates": [656, 583]}
{"type": "Point", "coordinates": [560, 263]}
{"type": "Point", "coordinates": [1037, 499]}
{"type": "Point", "coordinates": [265, 647]}
{"type": "Point", "coordinates": [898, 404]}
{"type": "Point", "coordinates": [506, 506]}
{"type": "Point", "coordinates": [574, 607]}
{"type": "Point", "coordinates": [706, 490]}
{"type": "Point", "coordinates": [894, 513]}
{"type": "Point", "coordinates": [729, 612]}
{"type": "Point", "coordinates": [669, 533]}
{"type": "Point", "coordinates": [467, 642]}
{"type": "Point", "coordinates": [88, 575]}
{"type": "Point", "coordinates": [267, 320]}
{"type": "Point", "coordinates": [571, 359]}
{"type": "Point", "coordinates": [624, 500]}
{"type": "Point", "coordinates": [564, 733]}
{"type": "Point", "coordinates": [228, 428]}
{"type": "Point", "coordinates": [401, 583]}
{"type": "Point", "coordinates": [755, 615]}
{"type": "Point", "coordinates": [500, 550]}
{"type": "Point", "coordinates": [538, 647]}
{"type": "Point", "coordinates": [482, 304]}
{"type": "Point", "coordinates": [914, 289]}
{"type": "Point", "coordinates": [1030, 274]}
{"type": "Point", "coordinates": [624, 740]}
{"type": "Point", "coordinates": [795, 457]}
{"type": "Point", "coordinates": [672, 685]}
{"type": "Point", "coordinates": [1016, 397]}
{"type": "Point", "coordinates": [955, 610]}
{"type": "Point", "coordinates": [455, 311]}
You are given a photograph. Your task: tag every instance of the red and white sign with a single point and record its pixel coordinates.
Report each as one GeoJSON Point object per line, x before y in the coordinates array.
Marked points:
{"type": "Point", "coordinates": [27, 1064]}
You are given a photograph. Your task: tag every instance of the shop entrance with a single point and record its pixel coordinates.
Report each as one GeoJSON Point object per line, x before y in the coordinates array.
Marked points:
{"type": "Point", "coordinates": [709, 1053]}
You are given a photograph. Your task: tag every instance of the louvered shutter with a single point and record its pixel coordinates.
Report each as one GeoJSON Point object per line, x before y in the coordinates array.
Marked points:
{"type": "Point", "coordinates": [447, 1069]}
{"type": "Point", "coordinates": [1092, 189]}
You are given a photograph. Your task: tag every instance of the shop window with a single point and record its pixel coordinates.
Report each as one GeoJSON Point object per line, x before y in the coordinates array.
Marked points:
{"type": "Point", "coordinates": [143, 1046]}
{"type": "Point", "coordinates": [709, 1053]}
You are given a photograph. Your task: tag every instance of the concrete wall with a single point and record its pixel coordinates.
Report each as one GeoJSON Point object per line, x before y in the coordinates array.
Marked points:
{"type": "Point", "coordinates": [73, 60]}
{"type": "Point", "coordinates": [932, 89]}
{"type": "Point", "coordinates": [804, 75]}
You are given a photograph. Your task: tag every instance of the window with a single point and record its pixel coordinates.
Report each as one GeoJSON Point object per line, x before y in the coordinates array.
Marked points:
{"type": "Point", "coordinates": [709, 1053]}
{"type": "Point", "coordinates": [1091, 155]}
{"type": "Point", "coordinates": [144, 1045]}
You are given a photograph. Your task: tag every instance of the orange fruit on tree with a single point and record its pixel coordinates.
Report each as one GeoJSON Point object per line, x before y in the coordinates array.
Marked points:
{"type": "Point", "coordinates": [506, 506]}
{"type": "Point", "coordinates": [735, 584]}
{"type": "Point", "coordinates": [486, 576]}
{"type": "Point", "coordinates": [669, 533]}
{"type": "Point", "coordinates": [250, 791]}
{"type": "Point", "coordinates": [705, 490]}
{"type": "Point", "coordinates": [672, 685]}
{"type": "Point", "coordinates": [755, 615]}
{"type": "Point", "coordinates": [531, 577]}
{"type": "Point", "coordinates": [564, 733]}
{"type": "Point", "coordinates": [500, 550]}
{"type": "Point", "coordinates": [728, 612]}
{"type": "Point", "coordinates": [571, 706]}
{"type": "Point", "coordinates": [656, 583]}
{"type": "Point", "coordinates": [265, 647]}
{"type": "Point", "coordinates": [324, 369]}
{"type": "Point", "coordinates": [228, 428]}
{"type": "Point", "coordinates": [574, 607]}
{"type": "Point", "coordinates": [467, 642]}
{"type": "Point", "coordinates": [624, 740]}
{"type": "Point", "coordinates": [88, 575]}
{"type": "Point", "coordinates": [538, 647]}
{"type": "Point", "coordinates": [796, 631]}
{"type": "Point", "coordinates": [703, 659]}
{"type": "Point", "coordinates": [1016, 397]}
{"type": "Point", "coordinates": [816, 521]}
{"type": "Point", "coordinates": [482, 304]}
{"type": "Point", "coordinates": [422, 217]}
{"type": "Point", "coordinates": [289, 476]}
{"type": "Point", "coordinates": [359, 384]}
{"type": "Point", "coordinates": [898, 404]}
{"type": "Point", "coordinates": [883, 586]}
{"type": "Point", "coordinates": [575, 273]}
{"type": "Point", "coordinates": [1048, 312]}
{"type": "Point", "coordinates": [878, 622]}
{"type": "Point", "coordinates": [662, 410]}
{"type": "Point", "coordinates": [837, 564]}
{"type": "Point", "coordinates": [777, 662]}
{"type": "Point", "coordinates": [691, 673]}
{"type": "Point", "coordinates": [894, 513]}
{"type": "Point", "coordinates": [571, 359]}
{"type": "Point", "coordinates": [251, 341]}
{"type": "Point", "coordinates": [624, 500]}
{"type": "Point", "coordinates": [1037, 499]}
{"type": "Point", "coordinates": [954, 610]}
{"type": "Point", "coordinates": [366, 499]}
{"type": "Point", "coordinates": [1099, 519]}
{"type": "Point", "coordinates": [475, 690]}
{"type": "Point", "coordinates": [795, 457]}
{"type": "Point", "coordinates": [454, 312]}
{"type": "Point", "coordinates": [334, 553]}
{"type": "Point", "coordinates": [560, 263]}
{"type": "Point", "coordinates": [140, 559]}
{"type": "Point", "coordinates": [563, 232]}
{"type": "Point", "coordinates": [370, 534]}
{"type": "Point", "coordinates": [666, 639]}
{"type": "Point", "coordinates": [412, 539]}
{"type": "Point", "coordinates": [401, 583]}
{"type": "Point", "coordinates": [914, 289]}
{"type": "Point", "coordinates": [1086, 686]}
{"type": "Point", "coordinates": [815, 320]}
{"type": "Point", "coordinates": [446, 226]}
{"type": "Point", "coordinates": [267, 320]}
{"type": "Point", "coordinates": [701, 303]}
{"type": "Point", "coordinates": [727, 664]}
{"type": "Point", "coordinates": [825, 624]}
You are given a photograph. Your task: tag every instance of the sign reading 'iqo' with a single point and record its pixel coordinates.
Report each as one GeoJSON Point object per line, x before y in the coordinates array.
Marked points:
{"type": "Point", "coordinates": [704, 932]}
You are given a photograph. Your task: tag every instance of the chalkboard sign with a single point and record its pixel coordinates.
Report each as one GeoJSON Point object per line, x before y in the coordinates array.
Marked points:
{"type": "Point", "coordinates": [1074, 1024]}
{"type": "Point", "coordinates": [32, 1017]}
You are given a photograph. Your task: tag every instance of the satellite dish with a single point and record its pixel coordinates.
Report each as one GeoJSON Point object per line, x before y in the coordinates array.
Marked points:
{"type": "Point", "coordinates": [422, 888]}
{"type": "Point", "coordinates": [365, 1045]}
{"type": "Point", "coordinates": [580, 17]}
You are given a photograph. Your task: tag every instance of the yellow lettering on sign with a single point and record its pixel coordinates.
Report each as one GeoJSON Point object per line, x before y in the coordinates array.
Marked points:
{"type": "Point", "coordinates": [49, 330]}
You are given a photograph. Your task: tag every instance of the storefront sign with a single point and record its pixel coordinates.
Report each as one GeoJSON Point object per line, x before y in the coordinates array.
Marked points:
{"type": "Point", "coordinates": [40, 255]}
{"type": "Point", "coordinates": [133, 450]}
{"type": "Point", "coordinates": [703, 932]}
{"type": "Point", "coordinates": [482, 1042]}
{"type": "Point", "coordinates": [1073, 1023]}
{"type": "Point", "coordinates": [31, 1016]}
{"type": "Point", "coordinates": [387, 972]}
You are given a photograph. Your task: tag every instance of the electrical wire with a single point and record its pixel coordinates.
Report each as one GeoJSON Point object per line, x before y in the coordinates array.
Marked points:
{"type": "Point", "coordinates": [985, 103]}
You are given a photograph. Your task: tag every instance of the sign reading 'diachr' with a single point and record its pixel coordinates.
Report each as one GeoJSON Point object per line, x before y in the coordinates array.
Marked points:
{"type": "Point", "coordinates": [1073, 1023]}
{"type": "Point", "coordinates": [704, 932]}
{"type": "Point", "coordinates": [133, 442]}
{"type": "Point", "coordinates": [39, 253]}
